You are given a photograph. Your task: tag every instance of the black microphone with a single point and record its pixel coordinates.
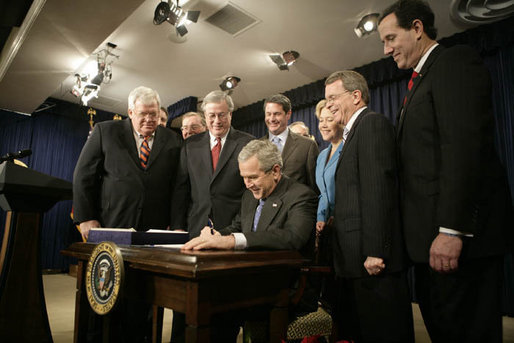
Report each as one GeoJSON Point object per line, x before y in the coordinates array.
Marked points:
{"type": "Point", "coordinates": [12, 155]}
{"type": "Point", "coordinates": [22, 153]}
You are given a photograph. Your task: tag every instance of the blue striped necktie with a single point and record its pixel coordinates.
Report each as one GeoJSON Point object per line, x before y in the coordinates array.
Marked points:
{"type": "Point", "coordinates": [257, 216]}
{"type": "Point", "coordinates": [144, 152]}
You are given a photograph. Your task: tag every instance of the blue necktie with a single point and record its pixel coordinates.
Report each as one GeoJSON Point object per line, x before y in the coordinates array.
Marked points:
{"type": "Point", "coordinates": [278, 142]}
{"type": "Point", "coordinates": [257, 216]}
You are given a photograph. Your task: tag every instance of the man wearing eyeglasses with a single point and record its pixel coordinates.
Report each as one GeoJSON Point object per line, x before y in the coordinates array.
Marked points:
{"type": "Point", "coordinates": [124, 178]}
{"type": "Point", "coordinates": [126, 171]}
{"type": "Point", "coordinates": [373, 300]}
{"type": "Point", "coordinates": [209, 187]}
{"type": "Point", "coordinates": [192, 124]}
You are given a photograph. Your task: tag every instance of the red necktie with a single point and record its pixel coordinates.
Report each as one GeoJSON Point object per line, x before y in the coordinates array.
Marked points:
{"type": "Point", "coordinates": [144, 153]}
{"type": "Point", "coordinates": [215, 152]}
{"type": "Point", "coordinates": [410, 85]}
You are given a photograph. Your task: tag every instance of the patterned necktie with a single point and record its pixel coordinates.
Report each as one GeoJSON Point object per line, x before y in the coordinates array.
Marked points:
{"type": "Point", "coordinates": [410, 85]}
{"type": "Point", "coordinates": [278, 142]}
{"type": "Point", "coordinates": [345, 134]}
{"type": "Point", "coordinates": [215, 152]}
{"type": "Point", "coordinates": [144, 152]}
{"type": "Point", "coordinates": [257, 216]}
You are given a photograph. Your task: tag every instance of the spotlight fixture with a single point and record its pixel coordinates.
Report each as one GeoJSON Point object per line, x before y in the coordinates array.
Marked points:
{"type": "Point", "coordinates": [229, 83]}
{"type": "Point", "coordinates": [175, 15]}
{"type": "Point", "coordinates": [367, 25]}
{"type": "Point", "coordinates": [87, 83]}
{"type": "Point", "coordinates": [285, 60]}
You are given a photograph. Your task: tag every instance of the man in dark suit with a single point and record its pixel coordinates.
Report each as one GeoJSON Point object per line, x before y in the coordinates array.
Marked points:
{"type": "Point", "coordinates": [454, 197]}
{"type": "Point", "coordinates": [299, 153]}
{"type": "Point", "coordinates": [287, 209]}
{"type": "Point", "coordinates": [277, 212]}
{"type": "Point", "coordinates": [373, 301]}
{"type": "Point", "coordinates": [209, 187]}
{"type": "Point", "coordinates": [112, 187]}
{"type": "Point", "coordinates": [211, 193]}
{"type": "Point", "coordinates": [124, 177]}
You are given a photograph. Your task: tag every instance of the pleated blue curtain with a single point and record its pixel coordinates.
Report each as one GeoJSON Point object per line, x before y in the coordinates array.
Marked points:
{"type": "Point", "coordinates": [15, 135]}
{"type": "Point", "coordinates": [58, 143]}
{"type": "Point", "coordinates": [180, 107]}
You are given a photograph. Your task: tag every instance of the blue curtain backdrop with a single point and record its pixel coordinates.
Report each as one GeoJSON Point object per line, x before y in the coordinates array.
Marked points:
{"type": "Point", "coordinates": [56, 137]}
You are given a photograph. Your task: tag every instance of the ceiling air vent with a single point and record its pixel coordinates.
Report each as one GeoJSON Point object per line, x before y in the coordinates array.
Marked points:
{"type": "Point", "coordinates": [481, 11]}
{"type": "Point", "coordinates": [232, 19]}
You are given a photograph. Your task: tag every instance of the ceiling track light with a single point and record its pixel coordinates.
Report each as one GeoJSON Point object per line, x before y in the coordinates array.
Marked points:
{"type": "Point", "coordinates": [285, 60]}
{"type": "Point", "coordinates": [367, 25]}
{"type": "Point", "coordinates": [87, 83]}
{"type": "Point", "coordinates": [229, 83]}
{"type": "Point", "coordinates": [175, 15]}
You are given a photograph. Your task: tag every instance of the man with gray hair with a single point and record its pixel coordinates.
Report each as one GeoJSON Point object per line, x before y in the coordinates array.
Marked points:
{"type": "Point", "coordinates": [298, 153]}
{"type": "Point", "coordinates": [276, 211]}
{"type": "Point", "coordinates": [193, 123]}
{"type": "Point", "coordinates": [373, 301]}
{"type": "Point", "coordinates": [209, 187]}
{"type": "Point", "coordinates": [125, 174]}
{"type": "Point", "coordinates": [124, 178]}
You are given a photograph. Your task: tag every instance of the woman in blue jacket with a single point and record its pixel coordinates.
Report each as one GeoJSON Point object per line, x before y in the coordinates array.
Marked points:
{"type": "Point", "coordinates": [332, 132]}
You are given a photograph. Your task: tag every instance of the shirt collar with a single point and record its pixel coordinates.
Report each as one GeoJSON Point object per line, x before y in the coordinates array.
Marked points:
{"type": "Point", "coordinates": [352, 120]}
{"type": "Point", "coordinates": [213, 138]}
{"type": "Point", "coordinates": [424, 58]}
{"type": "Point", "coordinates": [282, 136]}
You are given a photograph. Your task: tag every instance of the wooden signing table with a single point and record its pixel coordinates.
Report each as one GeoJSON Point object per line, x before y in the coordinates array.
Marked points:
{"type": "Point", "coordinates": [199, 284]}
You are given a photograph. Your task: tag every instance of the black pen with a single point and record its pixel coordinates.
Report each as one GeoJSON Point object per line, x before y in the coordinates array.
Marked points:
{"type": "Point", "coordinates": [211, 225]}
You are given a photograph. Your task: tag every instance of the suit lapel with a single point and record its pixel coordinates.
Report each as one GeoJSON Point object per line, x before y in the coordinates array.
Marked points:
{"type": "Point", "coordinates": [226, 152]}
{"type": "Point", "coordinates": [158, 144]}
{"type": "Point", "coordinates": [351, 134]}
{"type": "Point", "coordinates": [249, 210]}
{"type": "Point", "coordinates": [289, 147]}
{"type": "Point", "coordinates": [128, 141]}
{"type": "Point", "coordinates": [424, 70]}
{"type": "Point", "coordinates": [272, 206]}
{"type": "Point", "coordinates": [201, 149]}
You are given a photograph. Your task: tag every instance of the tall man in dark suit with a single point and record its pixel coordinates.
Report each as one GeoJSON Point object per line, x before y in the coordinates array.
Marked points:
{"type": "Point", "coordinates": [209, 184]}
{"type": "Point", "coordinates": [277, 212]}
{"type": "Point", "coordinates": [117, 185]}
{"type": "Point", "coordinates": [209, 187]}
{"type": "Point", "coordinates": [299, 153]}
{"type": "Point", "coordinates": [368, 254]}
{"type": "Point", "coordinates": [454, 198]}
{"type": "Point", "coordinates": [124, 177]}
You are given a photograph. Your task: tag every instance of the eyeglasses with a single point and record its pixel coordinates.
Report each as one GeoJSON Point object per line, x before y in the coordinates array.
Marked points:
{"type": "Point", "coordinates": [220, 116]}
{"type": "Point", "coordinates": [144, 114]}
{"type": "Point", "coordinates": [193, 127]}
{"type": "Point", "coordinates": [334, 97]}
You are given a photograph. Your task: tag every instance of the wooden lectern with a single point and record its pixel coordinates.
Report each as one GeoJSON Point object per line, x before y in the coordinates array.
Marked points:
{"type": "Point", "coordinates": [25, 194]}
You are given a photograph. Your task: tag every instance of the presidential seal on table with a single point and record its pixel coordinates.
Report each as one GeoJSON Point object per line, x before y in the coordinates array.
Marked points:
{"type": "Point", "coordinates": [104, 276]}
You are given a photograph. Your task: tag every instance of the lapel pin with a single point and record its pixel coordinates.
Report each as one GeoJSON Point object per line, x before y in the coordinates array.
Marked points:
{"type": "Point", "coordinates": [274, 205]}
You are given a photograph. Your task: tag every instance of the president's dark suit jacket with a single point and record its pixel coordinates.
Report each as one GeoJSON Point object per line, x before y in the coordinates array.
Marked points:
{"type": "Point", "coordinates": [201, 194]}
{"type": "Point", "coordinates": [299, 159]}
{"type": "Point", "coordinates": [449, 171]}
{"type": "Point", "coordinates": [110, 185]}
{"type": "Point", "coordinates": [287, 219]}
{"type": "Point", "coordinates": [366, 219]}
